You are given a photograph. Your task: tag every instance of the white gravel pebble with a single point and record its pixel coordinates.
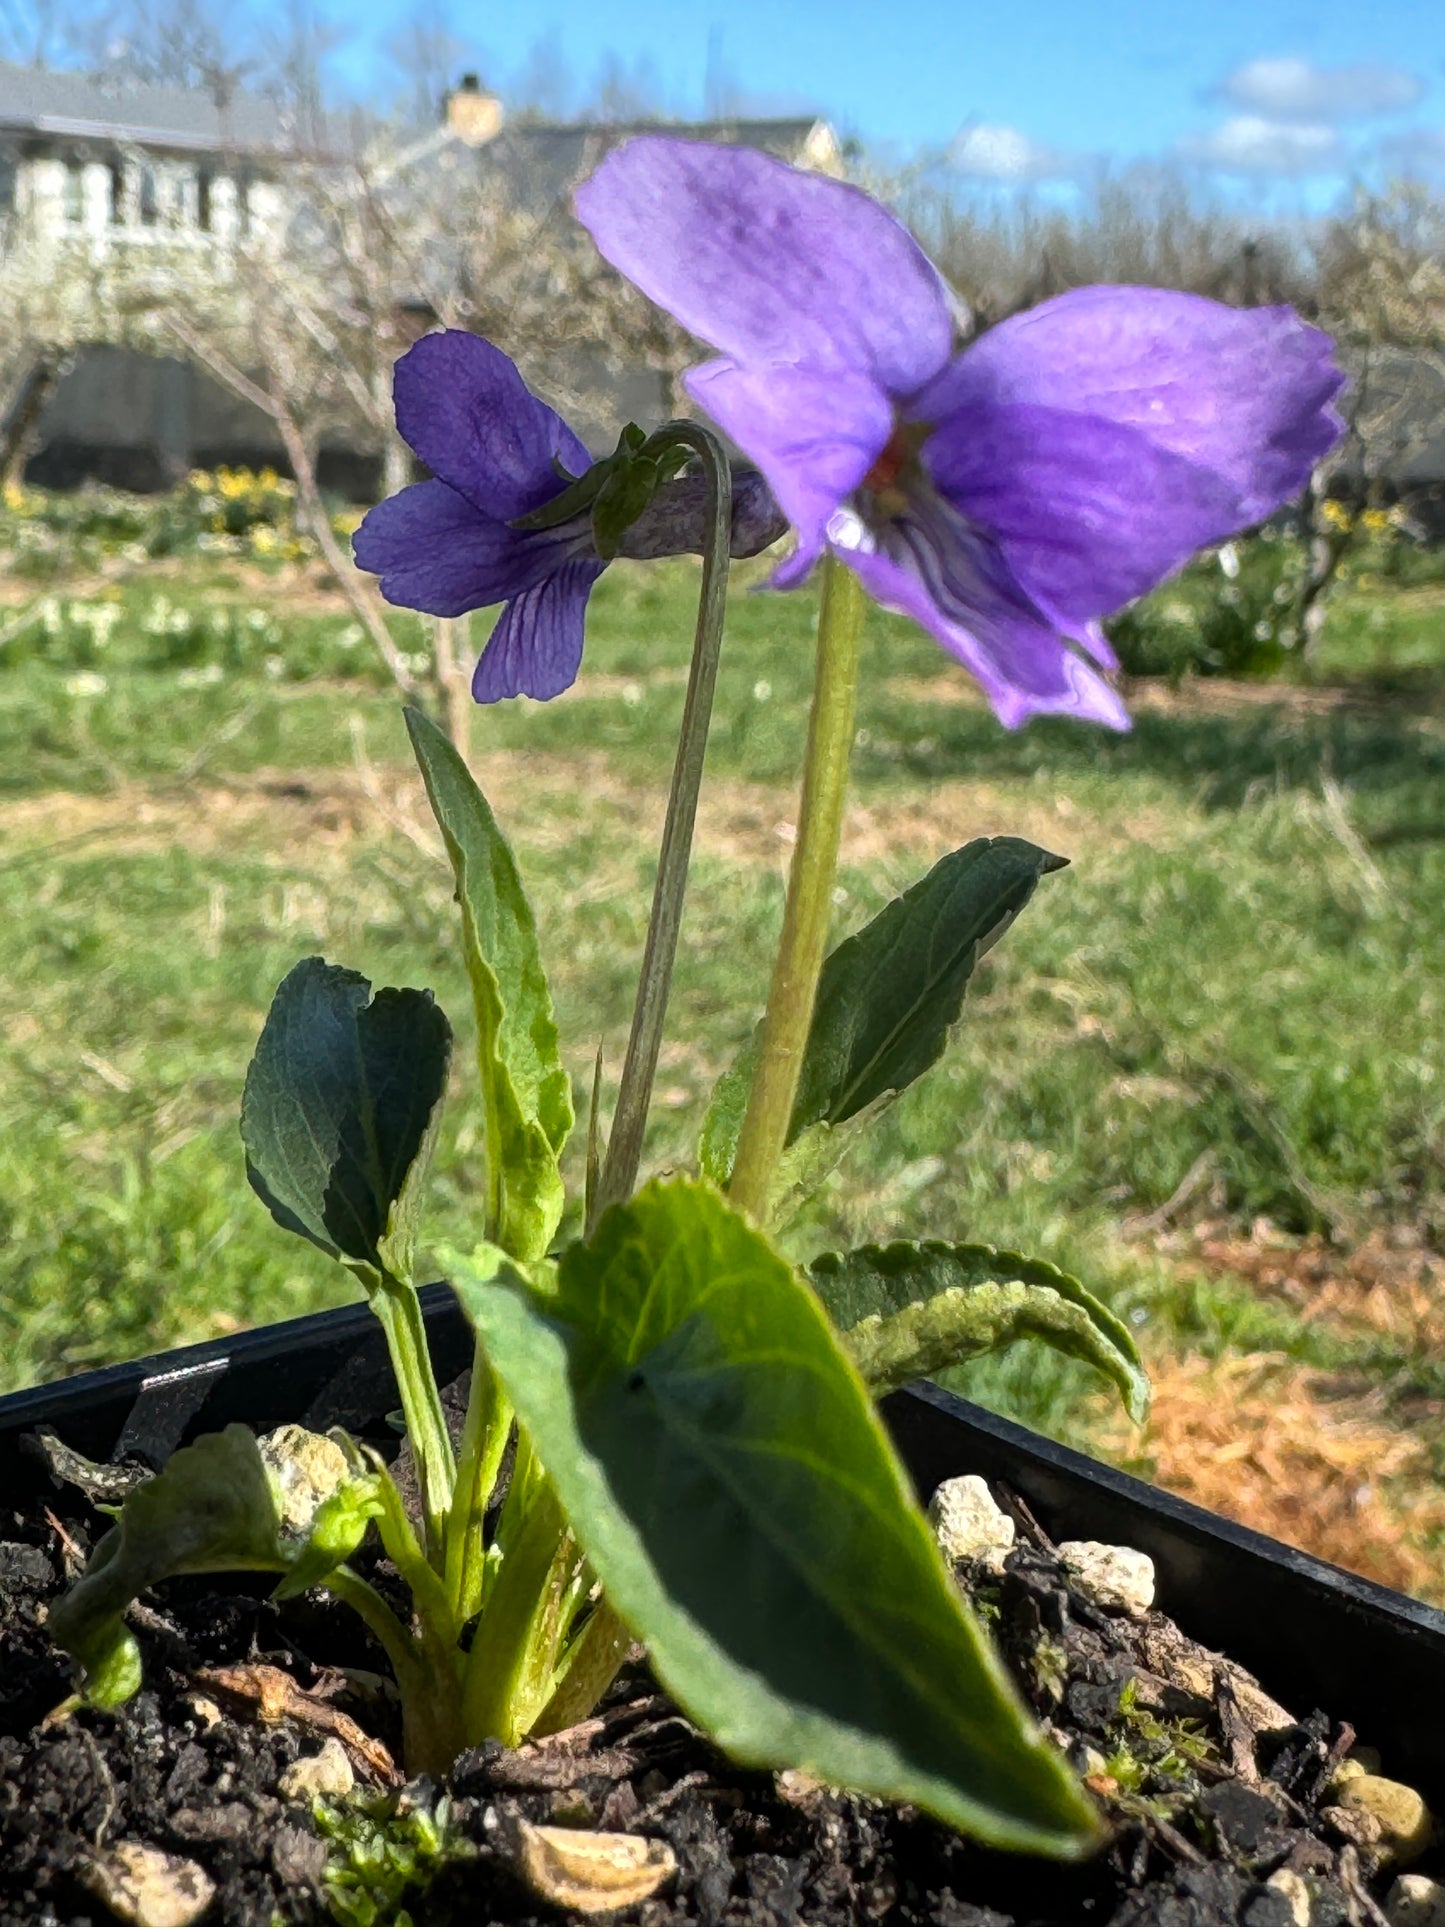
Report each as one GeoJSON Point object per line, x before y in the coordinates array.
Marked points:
{"type": "Point", "coordinates": [1117, 1578]}
{"type": "Point", "coordinates": [967, 1521]}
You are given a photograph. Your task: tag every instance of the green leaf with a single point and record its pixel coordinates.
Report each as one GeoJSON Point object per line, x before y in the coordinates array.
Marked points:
{"type": "Point", "coordinates": [888, 998]}
{"type": "Point", "coordinates": [721, 1466]}
{"type": "Point", "coordinates": [913, 1310]}
{"type": "Point", "coordinates": [526, 1092]}
{"type": "Point", "coordinates": [340, 1112]}
{"type": "Point", "coordinates": [214, 1508]}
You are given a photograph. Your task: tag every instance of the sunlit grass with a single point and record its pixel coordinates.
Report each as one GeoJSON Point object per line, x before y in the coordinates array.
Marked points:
{"type": "Point", "coordinates": [1236, 983]}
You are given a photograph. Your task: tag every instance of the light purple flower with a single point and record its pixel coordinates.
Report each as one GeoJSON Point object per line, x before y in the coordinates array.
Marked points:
{"type": "Point", "coordinates": [498, 455]}
{"type": "Point", "coordinates": [1006, 497]}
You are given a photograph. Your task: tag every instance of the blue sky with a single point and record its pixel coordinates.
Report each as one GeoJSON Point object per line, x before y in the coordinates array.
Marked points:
{"type": "Point", "coordinates": [1253, 89]}
{"type": "Point", "coordinates": [1257, 91]}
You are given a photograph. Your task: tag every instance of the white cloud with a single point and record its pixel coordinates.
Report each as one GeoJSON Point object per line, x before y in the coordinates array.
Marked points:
{"type": "Point", "coordinates": [991, 153]}
{"type": "Point", "coordinates": [1248, 144]}
{"type": "Point", "coordinates": [1294, 89]}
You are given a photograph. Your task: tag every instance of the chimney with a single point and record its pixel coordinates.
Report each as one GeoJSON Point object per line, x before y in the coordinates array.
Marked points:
{"type": "Point", "coordinates": [473, 115]}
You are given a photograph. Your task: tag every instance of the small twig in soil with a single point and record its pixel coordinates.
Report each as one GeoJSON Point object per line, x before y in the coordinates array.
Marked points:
{"type": "Point", "coordinates": [1366, 1912]}
{"type": "Point", "coordinates": [1170, 1837]}
{"type": "Point", "coordinates": [273, 1697]}
{"type": "Point", "coordinates": [112, 1802]}
{"type": "Point", "coordinates": [670, 1795]}
{"type": "Point", "coordinates": [70, 1552]}
{"type": "Point", "coordinates": [528, 1767]}
{"type": "Point", "coordinates": [1024, 1519]}
{"type": "Point", "coordinates": [1239, 1735]}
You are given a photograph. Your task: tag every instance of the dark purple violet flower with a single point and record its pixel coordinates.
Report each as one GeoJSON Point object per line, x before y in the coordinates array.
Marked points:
{"type": "Point", "coordinates": [1006, 497]}
{"type": "Point", "coordinates": [447, 545]}
{"type": "Point", "coordinates": [499, 455]}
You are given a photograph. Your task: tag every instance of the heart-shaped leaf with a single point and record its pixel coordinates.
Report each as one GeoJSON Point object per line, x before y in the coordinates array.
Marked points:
{"type": "Point", "coordinates": [342, 1102]}
{"type": "Point", "coordinates": [889, 996]}
{"type": "Point", "coordinates": [914, 1310]}
{"type": "Point", "coordinates": [722, 1467]}
{"type": "Point", "coordinates": [526, 1093]}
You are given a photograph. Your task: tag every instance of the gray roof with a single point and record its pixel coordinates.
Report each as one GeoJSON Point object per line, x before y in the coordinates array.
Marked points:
{"type": "Point", "coordinates": [542, 162]}
{"type": "Point", "coordinates": [35, 100]}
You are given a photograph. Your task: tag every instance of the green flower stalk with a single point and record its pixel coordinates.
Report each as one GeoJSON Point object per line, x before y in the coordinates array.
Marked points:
{"type": "Point", "coordinates": [809, 905]}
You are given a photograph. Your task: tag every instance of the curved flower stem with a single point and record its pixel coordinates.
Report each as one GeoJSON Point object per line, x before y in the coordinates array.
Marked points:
{"type": "Point", "coordinates": [810, 892]}
{"type": "Point", "coordinates": [634, 1094]}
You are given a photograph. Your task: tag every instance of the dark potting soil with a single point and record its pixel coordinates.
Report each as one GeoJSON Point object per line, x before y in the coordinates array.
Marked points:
{"type": "Point", "coordinates": [1209, 1787]}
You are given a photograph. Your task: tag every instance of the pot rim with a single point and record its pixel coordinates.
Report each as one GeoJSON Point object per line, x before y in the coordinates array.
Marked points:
{"type": "Point", "coordinates": [1314, 1634]}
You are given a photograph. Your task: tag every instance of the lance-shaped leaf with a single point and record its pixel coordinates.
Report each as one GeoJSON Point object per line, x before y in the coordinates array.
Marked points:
{"type": "Point", "coordinates": [339, 1118]}
{"type": "Point", "coordinates": [526, 1092]}
{"type": "Point", "coordinates": [721, 1465]}
{"type": "Point", "coordinates": [889, 996]}
{"type": "Point", "coordinates": [914, 1310]}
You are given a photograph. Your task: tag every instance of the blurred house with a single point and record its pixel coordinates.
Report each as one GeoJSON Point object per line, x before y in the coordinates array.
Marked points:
{"type": "Point", "coordinates": [125, 184]}
{"type": "Point", "coordinates": [107, 189]}
{"type": "Point", "coordinates": [131, 166]}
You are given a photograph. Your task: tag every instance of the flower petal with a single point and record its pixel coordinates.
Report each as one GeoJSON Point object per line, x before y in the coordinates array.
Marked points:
{"type": "Point", "coordinates": [465, 409]}
{"type": "Point", "coordinates": [814, 435]}
{"type": "Point", "coordinates": [768, 263]}
{"type": "Point", "coordinates": [434, 551]}
{"type": "Point", "coordinates": [964, 600]}
{"type": "Point", "coordinates": [1245, 392]}
{"type": "Point", "coordinates": [1087, 513]}
{"type": "Point", "coordinates": [536, 647]}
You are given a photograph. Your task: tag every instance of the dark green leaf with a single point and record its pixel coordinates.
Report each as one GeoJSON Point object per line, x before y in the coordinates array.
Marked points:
{"type": "Point", "coordinates": [340, 1110]}
{"type": "Point", "coordinates": [913, 1310]}
{"type": "Point", "coordinates": [888, 998]}
{"type": "Point", "coordinates": [525, 1089]}
{"type": "Point", "coordinates": [723, 1469]}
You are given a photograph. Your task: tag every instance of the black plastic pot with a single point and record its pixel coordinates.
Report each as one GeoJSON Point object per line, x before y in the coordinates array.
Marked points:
{"type": "Point", "coordinates": [1315, 1636]}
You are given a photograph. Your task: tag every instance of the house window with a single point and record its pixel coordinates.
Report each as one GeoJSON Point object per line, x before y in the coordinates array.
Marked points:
{"type": "Point", "coordinates": [73, 193]}
{"type": "Point", "coordinates": [117, 195]}
{"type": "Point", "coordinates": [204, 184]}
{"type": "Point", "coordinates": [150, 200]}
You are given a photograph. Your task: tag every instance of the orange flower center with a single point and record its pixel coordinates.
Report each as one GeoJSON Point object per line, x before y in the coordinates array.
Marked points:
{"type": "Point", "coordinates": [898, 457]}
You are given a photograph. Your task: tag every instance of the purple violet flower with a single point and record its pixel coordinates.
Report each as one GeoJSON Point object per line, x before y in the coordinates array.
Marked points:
{"type": "Point", "coordinates": [1006, 497]}
{"type": "Point", "coordinates": [445, 546]}
{"type": "Point", "coordinates": [498, 454]}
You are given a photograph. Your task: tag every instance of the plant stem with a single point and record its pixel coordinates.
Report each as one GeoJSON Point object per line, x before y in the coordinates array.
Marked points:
{"type": "Point", "coordinates": [634, 1093]}
{"type": "Point", "coordinates": [519, 1630]}
{"type": "Point", "coordinates": [399, 1310]}
{"type": "Point", "coordinates": [380, 1621]}
{"type": "Point", "coordinates": [426, 1677]}
{"type": "Point", "coordinates": [588, 1668]}
{"type": "Point", "coordinates": [808, 910]}
{"type": "Point", "coordinates": [484, 1439]}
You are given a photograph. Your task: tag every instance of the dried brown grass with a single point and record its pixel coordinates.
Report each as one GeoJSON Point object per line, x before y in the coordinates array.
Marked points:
{"type": "Point", "coordinates": [1273, 1445]}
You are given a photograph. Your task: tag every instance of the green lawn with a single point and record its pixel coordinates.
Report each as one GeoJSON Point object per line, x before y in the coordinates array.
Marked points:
{"type": "Point", "coordinates": [1237, 982]}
